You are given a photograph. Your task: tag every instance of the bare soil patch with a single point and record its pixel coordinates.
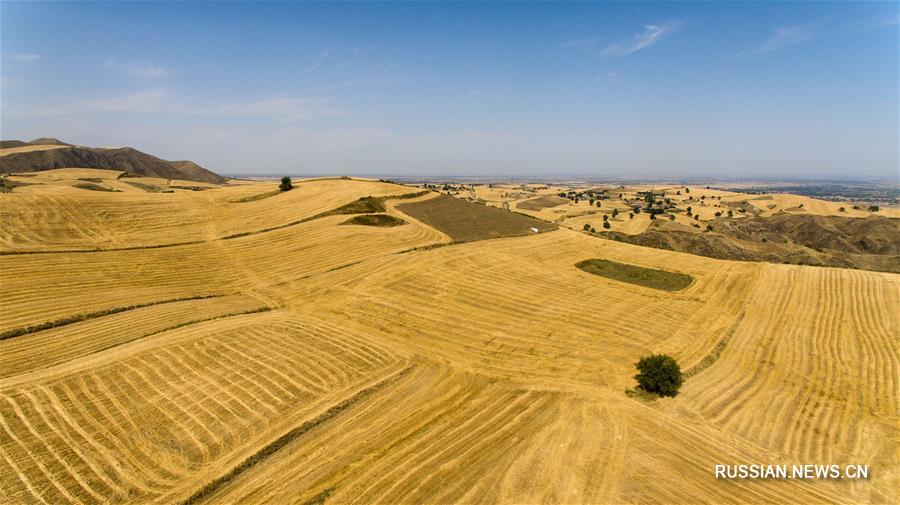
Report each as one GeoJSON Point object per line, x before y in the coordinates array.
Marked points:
{"type": "Point", "coordinates": [465, 221]}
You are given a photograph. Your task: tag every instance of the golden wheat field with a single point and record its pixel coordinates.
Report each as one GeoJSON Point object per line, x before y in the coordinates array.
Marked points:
{"type": "Point", "coordinates": [239, 345]}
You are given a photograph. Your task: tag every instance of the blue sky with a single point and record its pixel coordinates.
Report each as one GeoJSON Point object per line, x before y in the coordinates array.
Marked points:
{"type": "Point", "coordinates": [491, 89]}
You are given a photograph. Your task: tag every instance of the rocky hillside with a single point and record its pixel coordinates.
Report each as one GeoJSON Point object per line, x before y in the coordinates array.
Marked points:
{"type": "Point", "coordinates": [126, 159]}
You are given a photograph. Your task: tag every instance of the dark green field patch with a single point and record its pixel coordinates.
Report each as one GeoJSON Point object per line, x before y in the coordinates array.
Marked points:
{"type": "Point", "coordinates": [260, 196]}
{"type": "Point", "coordinates": [149, 188]}
{"type": "Point", "coordinates": [94, 187]}
{"type": "Point", "coordinates": [375, 220]}
{"type": "Point", "coordinates": [647, 277]}
{"type": "Point", "coordinates": [6, 185]}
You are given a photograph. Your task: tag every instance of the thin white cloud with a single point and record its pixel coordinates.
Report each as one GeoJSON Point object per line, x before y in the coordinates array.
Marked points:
{"type": "Point", "coordinates": [163, 101]}
{"type": "Point", "coordinates": [140, 70]}
{"type": "Point", "coordinates": [318, 62]}
{"type": "Point", "coordinates": [785, 37]}
{"type": "Point", "coordinates": [23, 57]}
{"type": "Point", "coordinates": [285, 107]}
{"type": "Point", "coordinates": [876, 23]}
{"type": "Point", "coordinates": [383, 77]}
{"type": "Point", "coordinates": [650, 36]}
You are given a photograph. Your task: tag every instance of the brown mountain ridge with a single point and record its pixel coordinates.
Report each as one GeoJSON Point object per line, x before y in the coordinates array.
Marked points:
{"type": "Point", "coordinates": [127, 159]}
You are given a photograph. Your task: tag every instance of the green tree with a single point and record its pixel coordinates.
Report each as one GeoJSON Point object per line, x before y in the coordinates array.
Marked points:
{"type": "Point", "coordinates": [660, 374]}
{"type": "Point", "coordinates": [630, 215]}
{"type": "Point", "coordinates": [285, 184]}
{"type": "Point", "coordinates": [605, 218]}
{"type": "Point", "coordinates": [587, 227]}
{"type": "Point", "coordinates": [615, 212]}
{"type": "Point", "coordinates": [606, 224]}
{"type": "Point", "coordinates": [730, 213]}
{"type": "Point", "coordinates": [874, 208]}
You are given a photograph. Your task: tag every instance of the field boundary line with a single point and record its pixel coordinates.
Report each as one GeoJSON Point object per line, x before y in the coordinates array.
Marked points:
{"type": "Point", "coordinates": [296, 432]}
{"type": "Point", "coordinates": [65, 321]}
{"type": "Point", "coordinates": [719, 348]}
{"type": "Point", "coordinates": [226, 237]}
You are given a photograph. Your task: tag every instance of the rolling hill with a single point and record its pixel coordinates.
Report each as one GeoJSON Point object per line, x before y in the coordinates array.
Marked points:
{"type": "Point", "coordinates": [245, 345]}
{"type": "Point", "coordinates": [48, 154]}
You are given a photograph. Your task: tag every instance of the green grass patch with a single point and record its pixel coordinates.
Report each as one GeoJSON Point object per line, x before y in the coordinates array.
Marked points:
{"type": "Point", "coordinates": [6, 185]}
{"type": "Point", "coordinates": [94, 187]}
{"type": "Point", "coordinates": [149, 188]}
{"type": "Point", "coordinates": [260, 196]}
{"type": "Point", "coordinates": [375, 220]}
{"type": "Point", "coordinates": [647, 277]}
{"type": "Point", "coordinates": [192, 188]}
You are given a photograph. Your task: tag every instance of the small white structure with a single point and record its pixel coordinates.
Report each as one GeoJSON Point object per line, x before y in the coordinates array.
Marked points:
{"type": "Point", "coordinates": [534, 230]}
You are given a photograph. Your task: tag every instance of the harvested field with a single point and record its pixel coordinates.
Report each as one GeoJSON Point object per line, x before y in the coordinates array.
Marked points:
{"type": "Point", "coordinates": [647, 277]}
{"type": "Point", "coordinates": [465, 222]}
{"type": "Point", "coordinates": [541, 202]}
{"type": "Point", "coordinates": [306, 361]}
{"type": "Point", "coordinates": [28, 149]}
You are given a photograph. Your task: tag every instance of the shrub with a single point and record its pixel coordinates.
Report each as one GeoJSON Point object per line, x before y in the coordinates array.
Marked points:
{"type": "Point", "coordinates": [730, 214]}
{"type": "Point", "coordinates": [841, 209]}
{"type": "Point", "coordinates": [605, 218]}
{"type": "Point", "coordinates": [285, 184]}
{"type": "Point", "coordinates": [587, 227]}
{"type": "Point", "coordinates": [660, 374]}
{"type": "Point", "coordinates": [615, 212]}
{"type": "Point", "coordinates": [671, 217]}
{"type": "Point", "coordinates": [874, 208]}
{"type": "Point", "coordinates": [630, 215]}
{"type": "Point", "coordinates": [606, 224]}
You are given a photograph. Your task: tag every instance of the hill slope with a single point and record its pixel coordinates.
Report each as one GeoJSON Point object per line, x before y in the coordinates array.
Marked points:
{"type": "Point", "coordinates": [126, 158]}
{"type": "Point", "coordinates": [844, 242]}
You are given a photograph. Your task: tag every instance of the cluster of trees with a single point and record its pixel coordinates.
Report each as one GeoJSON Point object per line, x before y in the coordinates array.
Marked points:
{"type": "Point", "coordinates": [285, 184]}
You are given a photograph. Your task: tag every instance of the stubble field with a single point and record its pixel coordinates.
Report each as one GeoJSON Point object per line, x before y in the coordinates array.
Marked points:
{"type": "Point", "coordinates": [229, 345]}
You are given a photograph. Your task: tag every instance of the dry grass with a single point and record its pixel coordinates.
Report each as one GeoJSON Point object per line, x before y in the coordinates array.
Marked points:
{"type": "Point", "coordinates": [336, 370]}
{"type": "Point", "coordinates": [29, 149]}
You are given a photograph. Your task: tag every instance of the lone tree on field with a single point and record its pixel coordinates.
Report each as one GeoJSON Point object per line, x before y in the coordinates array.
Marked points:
{"type": "Point", "coordinates": [285, 184]}
{"type": "Point", "coordinates": [606, 224]}
{"type": "Point", "coordinates": [660, 374]}
{"type": "Point", "coordinates": [587, 227]}
{"type": "Point", "coordinates": [615, 212]}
